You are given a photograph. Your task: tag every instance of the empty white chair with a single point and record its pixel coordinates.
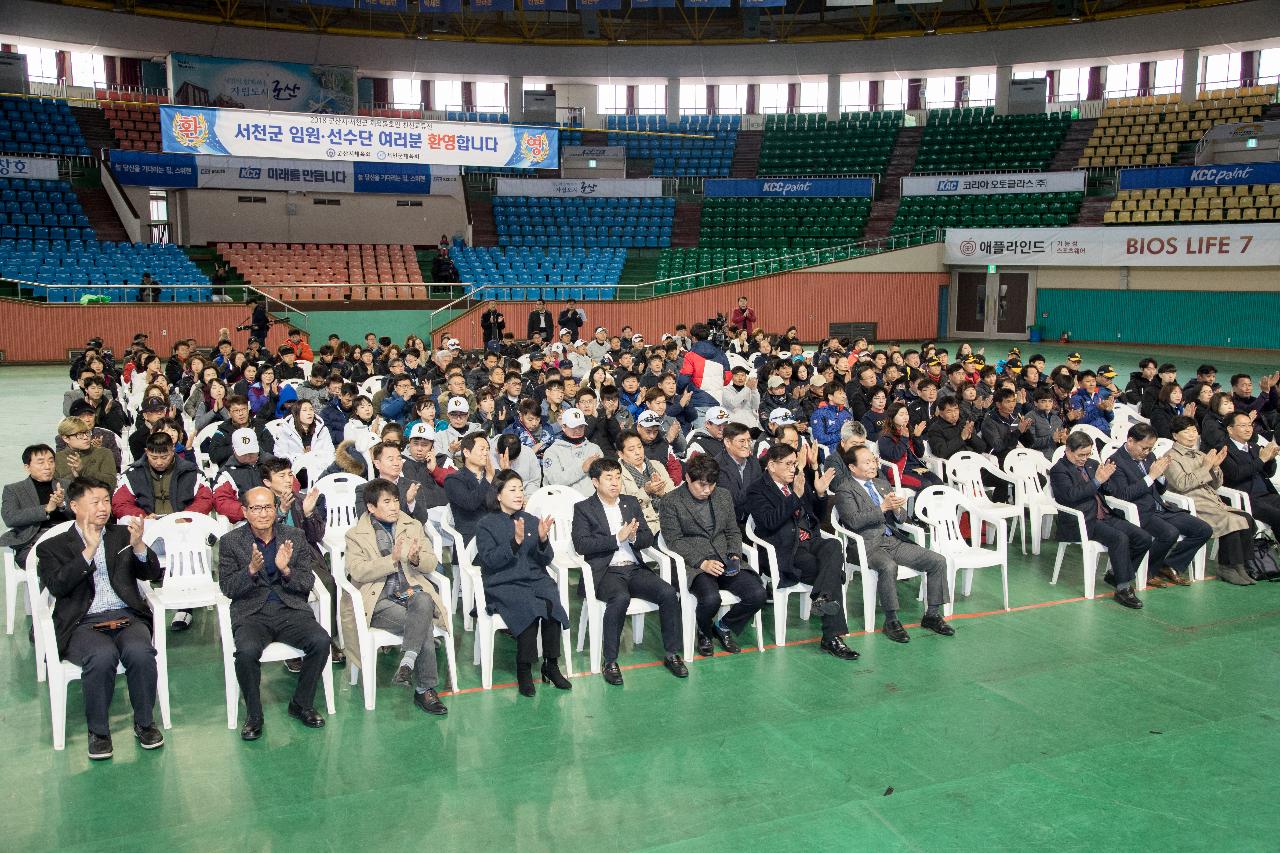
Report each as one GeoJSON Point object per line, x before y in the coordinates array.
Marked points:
{"type": "Point", "coordinates": [313, 463]}
{"type": "Point", "coordinates": [689, 602]}
{"type": "Point", "coordinates": [206, 465]}
{"type": "Point", "coordinates": [341, 512]}
{"type": "Point", "coordinates": [369, 639]}
{"type": "Point", "coordinates": [372, 386]}
{"type": "Point", "coordinates": [941, 507]}
{"type": "Point", "coordinates": [188, 579]}
{"type": "Point", "coordinates": [319, 601]}
{"type": "Point", "coordinates": [866, 573]}
{"type": "Point", "coordinates": [462, 560]}
{"type": "Point", "coordinates": [1029, 470]}
{"type": "Point", "coordinates": [965, 471]}
{"type": "Point", "coordinates": [1100, 438]}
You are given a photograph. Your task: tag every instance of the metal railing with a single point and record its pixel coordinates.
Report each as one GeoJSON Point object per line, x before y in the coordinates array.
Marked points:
{"type": "Point", "coordinates": [738, 272]}
{"type": "Point", "coordinates": [106, 289]}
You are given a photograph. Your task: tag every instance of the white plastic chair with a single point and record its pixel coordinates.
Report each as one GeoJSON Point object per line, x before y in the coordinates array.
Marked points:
{"type": "Point", "coordinates": [306, 368]}
{"type": "Point", "coordinates": [965, 474]}
{"type": "Point", "coordinates": [941, 507]}
{"type": "Point", "coordinates": [1091, 552]}
{"type": "Point", "coordinates": [1241, 502]}
{"type": "Point", "coordinates": [188, 579]}
{"type": "Point", "coordinates": [1030, 472]}
{"type": "Point", "coordinates": [489, 624]}
{"type": "Point", "coordinates": [370, 639]}
{"type": "Point", "coordinates": [295, 384]}
{"type": "Point", "coordinates": [341, 512]}
{"type": "Point", "coordinates": [1129, 511]}
{"type": "Point", "coordinates": [868, 576]}
{"type": "Point", "coordinates": [462, 561]}
{"type": "Point", "coordinates": [203, 462]}
{"type": "Point", "coordinates": [764, 552]}
{"type": "Point", "coordinates": [13, 576]}
{"type": "Point", "coordinates": [1100, 438]}
{"type": "Point", "coordinates": [313, 463]}
{"type": "Point", "coordinates": [1198, 562]}
{"type": "Point", "coordinates": [372, 386]}
{"type": "Point", "coordinates": [592, 620]}
{"type": "Point", "coordinates": [319, 601]}
{"type": "Point", "coordinates": [33, 590]}
{"type": "Point", "coordinates": [689, 602]}
{"type": "Point", "coordinates": [936, 464]}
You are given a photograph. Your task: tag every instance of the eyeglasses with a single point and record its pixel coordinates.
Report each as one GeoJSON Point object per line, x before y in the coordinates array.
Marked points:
{"type": "Point", "coordinates": [258, 508]}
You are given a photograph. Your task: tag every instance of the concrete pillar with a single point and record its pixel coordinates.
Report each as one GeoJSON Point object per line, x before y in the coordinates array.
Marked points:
{"type": "Point", "coordinates": [833, 97]}
{"type": "Point", "coordinates": [1190, 75]}
{"type": "Point", "coordinates": [1004, 79]}
{"type": "Point", "coordinates": [673, 100]}
{"type": "Point", "coordinates": [515, 98]}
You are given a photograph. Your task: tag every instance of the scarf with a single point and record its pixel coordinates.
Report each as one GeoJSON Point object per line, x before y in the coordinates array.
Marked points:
{"type": "Point", "coordinates": [637, 474]}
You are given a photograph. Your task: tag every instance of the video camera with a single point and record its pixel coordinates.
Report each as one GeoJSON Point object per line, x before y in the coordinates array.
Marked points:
{"type": "Point", "coordinates": [716, 331]}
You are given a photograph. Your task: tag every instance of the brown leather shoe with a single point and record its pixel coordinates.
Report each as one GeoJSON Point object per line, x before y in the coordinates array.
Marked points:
{"type": "Point", "coordinates": [1173, 577]}
{"type": "Point", "coordinates": [1155, 581]}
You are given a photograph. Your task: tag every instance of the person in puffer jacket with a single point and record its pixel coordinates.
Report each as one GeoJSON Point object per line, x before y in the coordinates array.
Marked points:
{"type": "Point", "coordinates": [830, 416]}
{"type": "Point", "coordinates": [705, 369]}
{"type": "Point", "coordinates": [1096, 405]}
{"type": "Point", "coordinates": [566, 461]}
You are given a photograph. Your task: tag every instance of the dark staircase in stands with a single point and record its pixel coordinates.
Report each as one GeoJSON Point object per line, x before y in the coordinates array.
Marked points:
{"type": "Point", "coordinates": [1073, 145]}
{"type": "Point", "coordinates": [94, 127]}
{"type": "Point", "coordinates": [687, 225]}
{"type": "Point", "coordinates": [901, 161]}
{"type": "Point", "coordinates": [101, 214]}
{"type": "Point", "coordinates": [746, 154]}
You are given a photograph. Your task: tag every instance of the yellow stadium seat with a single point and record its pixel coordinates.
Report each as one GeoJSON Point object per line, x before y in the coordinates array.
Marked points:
{"type": "Point", "coordinates": [1166, 216]}
{"type": "Point", "coordinates": [1109, 218]}
{"type": "Point", "coordinates": [1233, 215]}
{"type": "Point", "coordinates": [1201, 215]}
{"type": "Point", "coordinates": [1186, 214]}
{"type": "Point", "coordinates": [1267, 214]}
{"type": "Point", "coordinates": [1124, 216]}
{"type": "Point", "coordinates": [1249, 214]}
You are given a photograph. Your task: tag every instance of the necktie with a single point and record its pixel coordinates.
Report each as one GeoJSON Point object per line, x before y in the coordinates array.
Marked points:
{"type": "Point", "coordinates": [1098, 511]}
{"type": "Point", "coordinates": [875, 499]}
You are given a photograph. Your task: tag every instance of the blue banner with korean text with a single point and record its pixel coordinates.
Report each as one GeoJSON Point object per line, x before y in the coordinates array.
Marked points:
{"type": "Point", "coordinates": [440, 7]}
{"type": "Point", "coordinates": [653, 4]}
{"type": "Point", "coordinates": [261, 84]}
{"type": "Point", "coordinates": [247, 133]}
{"type": "Point", "coordinates": [144, 169]}
{"type": "Point", "coordinates": [1231, 174]}
{"type": "Point", "coordinates": [545, 5]}
{"type": "Point", "coordinates": [600, 5]}
{"type": "Point", "coordinates": [706, 4]}
{"type": "Point", "coordinates": [385, 6]}
{"type": "Point", "coordinates": [492, 5]}
{"type": "Point", "coordinates": [761, 4]}
{"type": "Point", "coordinates": [789, 188]}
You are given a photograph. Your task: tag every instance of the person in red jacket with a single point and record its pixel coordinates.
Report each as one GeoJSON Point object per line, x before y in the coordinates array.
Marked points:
{"type": "Point", "coordinates": [238, 475]}
{"type": "Point", "coordinates": [300, 346]}
{"type": "Point", "coordinates": [161, 483]}
{"type": "Point", "coordinates": [743, 317]}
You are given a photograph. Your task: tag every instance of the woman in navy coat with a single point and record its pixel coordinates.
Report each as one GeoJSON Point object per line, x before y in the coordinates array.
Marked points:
{"type": "Point", "coordinates": [513, 550]}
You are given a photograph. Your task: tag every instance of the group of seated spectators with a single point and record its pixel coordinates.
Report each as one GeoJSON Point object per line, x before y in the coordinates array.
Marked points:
{"type": "Point", "coordinates": [675, 444]}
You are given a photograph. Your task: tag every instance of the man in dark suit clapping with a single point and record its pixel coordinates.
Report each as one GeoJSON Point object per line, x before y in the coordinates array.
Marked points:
{"type": "Point", "coordinates": [1176, 535]}
{"type": "Point", "coordinates": [609, 531]}
{"type": "Point", "coordinates": [268, 570]}
{"type": "Point", "coordinates": [1250, 468]}
{"type": "Point", "coordinates": [1077, 482]}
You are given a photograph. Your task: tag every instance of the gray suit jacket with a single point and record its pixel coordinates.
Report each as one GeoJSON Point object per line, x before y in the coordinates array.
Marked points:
{"type": "Point", "coordinates": [857, 511]}
{"type": "Point", "coordinates": [248, 593]}
{"type": "Point", "coordinates": [22, 512]}
{"type": "Point", "coordinates": [685, 535]}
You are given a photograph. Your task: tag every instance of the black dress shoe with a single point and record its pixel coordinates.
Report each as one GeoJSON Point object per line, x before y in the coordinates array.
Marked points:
{"type": "Point", "coordinates": [430, 702]}
{"type": "Point", "coordinates": [835, 647]}
{"type": "Point", "coordinates": [675, 663]}
{"type": "Point", "coordinates": [1109, 579]}
{"type": "Point", "coordinates": [552, 675]}
{"type": "Point", "coordinates": [294, 665]}
{"type": "Point", "coordinates": [149, 737]}
{"type": "Point", "coordinates": [704, 646]}
{"type": "Point", "coordinates": [937, 625]}
{"type": "Point", "coordinates": [404, 676]}
{"type": "Point", "coordinates": [727, 642]}
{"type": "Point", "coordinates": [612, 675]}
{"type": "Point", "coordinates": [1128, 598]}
{"type": "Point", "coordinates": [308, 716]}
{"type": "Point", "coordinates": [894, 631]}
{"type": "Point", "coordinates": [251, 730]}
{"type": "Point", "coordinates": [99, 747]}
{"type": "Point", "coordinates": [824, 606]}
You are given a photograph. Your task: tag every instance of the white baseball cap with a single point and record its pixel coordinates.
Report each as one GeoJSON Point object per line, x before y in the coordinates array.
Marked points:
{"type": "Point", "coordinates": [573, 418]}
{"type": "Point", "coordinates": [649, 420]}
{"type": "Point", "coordinates": [637, 338]}
{"type": "Point", "coordinates": [566, 332]}
{"type": "Point", "coordinates": [458, 404]}
{"type": "Point", "coordinates": [452, 343]}
{"type": "Point", "coordinates": [781, 417]}
{"type": "Point", "coordinates": [600, 329]}
{"type": "Point", "coordinates": [244, 442]}
{"type": "Point", "coordinates": [422, 430]}
{"type": "Point", "coordinates": [717, 415]}
{"type": "Point", "coordinates": [579, 343]}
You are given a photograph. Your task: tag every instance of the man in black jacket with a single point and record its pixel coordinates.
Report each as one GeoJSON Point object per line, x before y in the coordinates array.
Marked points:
{"type": "Point", "coordinates": [267, 569]}
{"type": "Point", "coordinates": [739, 467]}
{"type": "Point", "coordinates": [572, 318]}
{"type": "Point", "coordinates": [1140, 382]}
{"type": "Point", "coordinates": [1176, 535]}
{"type": "Point", "coordinates": [948, 434]}
{"type": "Point", "coordinates": [468, 489]}
{"type": "Point", "coordinates": [99, 615]}
{"type": "Point", "coordinates": [1250, 468]}
{"type": "Point", "coordinates": [220, 450]}
{"type": "Point", "coordinates": [610, 532]}
{"type": "Point", "coordinates": [786, 516]}
{"type": "Point", "coordinates": [492, 323]}
{"type": "Point", "coordinates": [1076, 482]}
{"type": "Point", "coordinates": [540, 322]}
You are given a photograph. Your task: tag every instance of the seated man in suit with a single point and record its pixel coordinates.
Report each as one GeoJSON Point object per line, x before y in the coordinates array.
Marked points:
{"type": "Point", "coordinates": [30, 507]}
{"type": "Point", "coordinates": [470, 487]}
{"type": "Point", "coordinates": [739, 467]}
{"type": "Point", "coordinates": [609, 531]}
{"type": "Point", "coordinates": [786, 516]}
{"type": "Point", "coordinates": [699, 523]}
{"type": "Point", "coordinates": [267, 569]}
{"type": "Point", "coordinates": [1176, 535]}
{"type": "Point", "coordinates": [1250, 468]}
{"type": "Point", "coordinates": [388, 464]}
{"type": "Point", "coordinates": [390, 561]}
{"type": "Point", "coordinates": [868, 506]}
{"type": "Point", "coordinates": [99, 615]}
{"type": "Point", "coordinates": [1077, 482]}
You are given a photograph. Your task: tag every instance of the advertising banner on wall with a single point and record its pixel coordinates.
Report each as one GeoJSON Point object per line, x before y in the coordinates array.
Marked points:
{"type": "Point", "coordinates": [1175, 246]}
{"type": "Point", "coordinates": [1227, 175]}
{"type": "Point", "coordinates": [789, 187]}
{"type": "Point", "coordinates": [190, 171]}
{"type": "Point", "coordinates": [214, 81]}
{"type": "Point", "coordinates": [1028, 182]}
{"type": "Point", "coordinates": [294, 136]}
{"type": "Point", "coordinates": [39, 168]}
{"type": "Point", "coordinates": [637, 188]}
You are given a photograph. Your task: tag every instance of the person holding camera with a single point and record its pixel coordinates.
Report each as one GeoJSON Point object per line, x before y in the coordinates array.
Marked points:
{"type": "Point", "coordinates": [699, 523]}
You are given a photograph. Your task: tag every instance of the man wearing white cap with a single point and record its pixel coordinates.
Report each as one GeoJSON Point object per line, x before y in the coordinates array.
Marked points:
{"type": "Point", "coordinates": [709, 437]}
{"type": "Point", "coordinates": [656, 446]}
{"type": "Point", "coordinates": [420, 466]}
{"type": "Point", "coordinates": [580, 359]}
{"type": "Point", "coordinates": [458, 414]}
{"type": "Point", "coordinates": [566, 461]}
{"type": "Point", "coordinates": [599, 345]}
{"type": "Point", "coordinates": [238, 476]}
{"type": "Point", "coordinates": [781, 417]}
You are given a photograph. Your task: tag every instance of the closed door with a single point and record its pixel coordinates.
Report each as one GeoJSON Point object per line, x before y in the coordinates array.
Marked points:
{"type": "Point", "coordinates": [1011, 303]}
{"type": "Point", "coordinates": [971, 302]}
{"type": "Point", "coordinates": [991, 304]}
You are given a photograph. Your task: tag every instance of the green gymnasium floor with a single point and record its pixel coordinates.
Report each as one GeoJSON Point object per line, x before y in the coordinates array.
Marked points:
{"type": "Point", "coordinates": [1065, 724]}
